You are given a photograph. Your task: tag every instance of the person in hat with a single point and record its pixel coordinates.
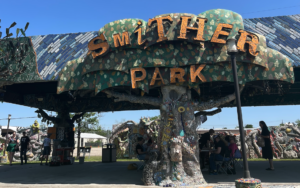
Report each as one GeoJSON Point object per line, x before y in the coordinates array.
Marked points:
{"type": "Point", "coordinates": [204, 140]}
{"type": "Point", "coordinates": [221, 152]}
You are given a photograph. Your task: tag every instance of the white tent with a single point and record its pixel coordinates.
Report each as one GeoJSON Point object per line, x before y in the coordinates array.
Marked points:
{"type": "Point", "coordinates": [90, 136]}
{"type": "Point", "coordinates": [10, 130]}
{"type": "Point", "coordinates": [87, 137]}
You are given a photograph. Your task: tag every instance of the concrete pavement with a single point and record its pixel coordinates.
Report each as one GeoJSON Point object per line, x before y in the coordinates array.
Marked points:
{"type": "Point", "coordinates": [110, 175]}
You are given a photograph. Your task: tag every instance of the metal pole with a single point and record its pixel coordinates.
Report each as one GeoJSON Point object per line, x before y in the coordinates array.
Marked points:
{"type": "Point", "coordinates": [78, 140]}
{"type": "Point", "coordinates": [6, 135]}
{"type": "Point", "coordinates": [240, 117]}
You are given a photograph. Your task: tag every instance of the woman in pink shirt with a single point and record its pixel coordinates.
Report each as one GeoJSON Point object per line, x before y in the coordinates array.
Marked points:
{"type": "Point", "coordinates": [232, 147]}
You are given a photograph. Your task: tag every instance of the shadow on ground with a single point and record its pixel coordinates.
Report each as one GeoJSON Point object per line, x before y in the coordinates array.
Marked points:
{"type": "Point", "coordinates": [285, 172]}
{"type": "Point", "coordinates": [87, 173]}
{"type": "Point", "coordinates": [117, 173]}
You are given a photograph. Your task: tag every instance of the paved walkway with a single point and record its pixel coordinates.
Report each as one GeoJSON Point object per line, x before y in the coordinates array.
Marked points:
{"type": "Point", "coordinates": [110, 175]}
{"type": "Point", "coordinates": [96, 151]}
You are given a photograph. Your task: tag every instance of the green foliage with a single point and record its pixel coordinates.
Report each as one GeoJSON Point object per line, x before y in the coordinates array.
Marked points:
{"type": "Point", "coordinates": [249, 126]}
{"type": "Point", "coordinates": [155, 117]}
{"type": "Point", "coordinates": [90, 124]}
{"type": "Point", "coordinates": [281, 124]}
{"type": "Point", "coordinates": [224, 127]}
{"type": "Point", "coordinates": [298, 122]}
{"type": "Point", "coordinates": [237, 127]}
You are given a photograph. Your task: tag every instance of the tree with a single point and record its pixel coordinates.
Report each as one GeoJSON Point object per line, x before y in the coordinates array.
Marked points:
{"type": "Point", "coordinates": [249, 126]}
{"type": "Point", "coordinates": [62, 119]}
{"type": "Point", "coordinates": [182, 111]}
{"type": "Point", "coordinates": [89, 122]}
{"type": "Point", "coordinates": [154, 117]}
{"type": "Point", "coordinates": [237, 127]}
{"type": "Point", "coordinates": [298, 122]}
{"type": "Point", "coordinates": [224, 127]}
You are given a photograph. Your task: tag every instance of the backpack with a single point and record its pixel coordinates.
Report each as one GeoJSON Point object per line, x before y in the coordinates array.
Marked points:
{"type": "Point", "coordinates": [237, 154]}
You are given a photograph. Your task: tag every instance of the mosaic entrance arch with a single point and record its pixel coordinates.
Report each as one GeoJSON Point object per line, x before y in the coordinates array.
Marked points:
{"type": "Point", "coordinates": [169, 59]}
{"type": "Point", "coordinates": [177, 63]}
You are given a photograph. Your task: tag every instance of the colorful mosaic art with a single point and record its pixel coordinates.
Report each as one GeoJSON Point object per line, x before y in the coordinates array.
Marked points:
{"type": "Point", "coordinates": [18, 72]}
{"type": "Point", "coordinates": [53, 51]}
{"type": "Point", "coordinates": [124, 135]}
{"type": "Point", "coordinates": [113, 68]}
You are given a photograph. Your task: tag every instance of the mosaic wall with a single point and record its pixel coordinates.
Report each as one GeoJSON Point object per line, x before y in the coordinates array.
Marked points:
{"type": "Point", "coordinates": [285, 141]}
{"type": "Point", "coordinates": [53, 51]}
{"type": "Point", "coordinates": [282, 34]}
{"type": "Point", "coordinates": [125, 135]}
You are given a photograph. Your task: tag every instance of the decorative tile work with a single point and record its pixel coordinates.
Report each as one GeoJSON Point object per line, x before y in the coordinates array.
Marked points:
{"type": "Point", "coordinates": [54, 51]}
{"type": "Point", "coordinates": [21, 68]}
{"type": "Point", "coordinates": [282, 34]}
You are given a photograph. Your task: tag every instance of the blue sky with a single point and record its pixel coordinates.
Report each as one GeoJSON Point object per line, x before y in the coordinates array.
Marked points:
{"type": "Point", "coordinates": [65, 16]}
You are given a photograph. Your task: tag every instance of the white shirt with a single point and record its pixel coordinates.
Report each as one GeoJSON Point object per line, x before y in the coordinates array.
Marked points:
{"type": "Point", "coordinates": [47, 142]}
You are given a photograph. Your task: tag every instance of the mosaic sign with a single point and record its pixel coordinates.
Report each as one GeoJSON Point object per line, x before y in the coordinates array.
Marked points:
{"type": "Point", "coordinates": [99, 45]}
{"type": "Point", "coordinates": [178, 48]}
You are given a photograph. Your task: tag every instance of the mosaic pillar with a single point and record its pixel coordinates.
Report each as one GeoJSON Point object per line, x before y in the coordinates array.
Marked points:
{"type": "Point", "coordinates": [248, 183]}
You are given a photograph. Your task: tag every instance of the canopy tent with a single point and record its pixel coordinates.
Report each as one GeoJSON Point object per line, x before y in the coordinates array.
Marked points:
{"type": "Point", "coordinates": [90, 136]}
{"type": "Point", "coordinates": [3, 130]}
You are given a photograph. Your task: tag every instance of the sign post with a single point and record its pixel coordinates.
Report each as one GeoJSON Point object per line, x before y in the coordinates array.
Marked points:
{"type": "Point", "coordinates": [246, 181]}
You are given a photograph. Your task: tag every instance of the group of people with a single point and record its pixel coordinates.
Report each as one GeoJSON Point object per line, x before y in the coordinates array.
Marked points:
{"type": "Point", "coordinates": [143, 149]}
{"type": "Point", "coordinates": [13, 146]}
{"type": "Point", "coordinates": [223, 151]}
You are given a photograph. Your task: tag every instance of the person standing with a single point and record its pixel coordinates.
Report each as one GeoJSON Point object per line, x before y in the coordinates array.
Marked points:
{"type": "Point", "coordinates": [267, 150]}
{"type": "Point", "coordinates": [24, 145]}
{"type": "Point", "coordinates": [47, 149]}
{"type": "Point", "coordinates": [204, 140]}
{"type": "Point", "coordinates": [13, 144]}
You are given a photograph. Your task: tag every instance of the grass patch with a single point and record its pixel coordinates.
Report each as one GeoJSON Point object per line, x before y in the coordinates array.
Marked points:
{"type": "Point", "coordinates": [260, 159]}
{"type": "Point", "coordinates": [99, 159]}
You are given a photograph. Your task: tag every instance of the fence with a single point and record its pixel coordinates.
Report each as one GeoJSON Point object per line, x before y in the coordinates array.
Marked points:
{"type": "Point", "coordinates": [93, 144]}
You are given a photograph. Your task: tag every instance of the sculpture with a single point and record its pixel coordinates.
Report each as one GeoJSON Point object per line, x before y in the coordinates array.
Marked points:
{"type": "Point", "coordinates": [35, 127]}
{"type": "Point", "coordinates": [125, 134]}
